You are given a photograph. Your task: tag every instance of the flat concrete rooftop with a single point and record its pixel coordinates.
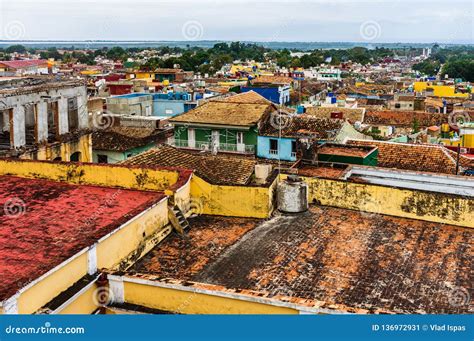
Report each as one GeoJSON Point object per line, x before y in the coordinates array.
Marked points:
{"type": "Point", "coordinates": [365, 262]}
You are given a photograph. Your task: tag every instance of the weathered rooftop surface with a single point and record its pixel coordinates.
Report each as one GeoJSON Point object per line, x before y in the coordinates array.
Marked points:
{"type": "Point", "coordinates": [294, 126]}
{"type": "Point", "coordinates": [222, 170]}
{"type": "Point", "coordinates": [404, 118]}
{"type": "Point", "coordinates": [44, 223]}
{"type": "Point", "coordinates": [23, 86]}
{"type": "Point", "coordinates": [369, 263]}
{"type": "Point", "coordinates": [415, 157]}
{"type": "Point", "coordinates": [225, 113]}
{"type": "Point", "coordinates": [351, 114]}
{"type": "Point", "coordinates": [246, 97]}
{"type": "Point", "coordinates": [121, 139]}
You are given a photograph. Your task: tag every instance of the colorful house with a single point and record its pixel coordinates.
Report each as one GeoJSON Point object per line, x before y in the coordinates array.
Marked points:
{"type": "Point", "coordinates": [274, 88]}
{"type": "Point", "coordinates": [438, 90]}
{"type": "Point", "coordinates": [24, 67]}
{"type": "Point", "coordinates": [228, 125]}
{"type": "Point", "coordinates": [172, 104]}
{"type": "Point", "coordinates": [281, 144]}
{"type": "Point", "coordinates": [117, 144]}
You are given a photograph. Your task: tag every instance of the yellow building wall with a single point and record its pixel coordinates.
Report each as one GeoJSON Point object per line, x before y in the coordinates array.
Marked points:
{"type": "Point", "coordinates": [439, 90]}
{"type": "Point", "coordinates": [45, 290]}
{"type": "Point", "coordinates": [468, 141]}
{"type": "Point", "coordinates": [429, 206]}
{"type": "Point", "coordinates": [83, 304]}
{"type": "Point", "coordinates": [63, 150]}
{"type": "Point", "coordinates": [92, 174]}
{"type": "Point", "coordinates": [185, 302]}
{"type": "Point", "coordinates": [111, 251]}
{"type": "Point", "coordinates": [235, 201]}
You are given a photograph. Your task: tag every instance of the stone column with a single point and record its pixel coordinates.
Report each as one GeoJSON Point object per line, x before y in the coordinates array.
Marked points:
{"type": "Point", "coordinates": [42, 121]}
{"type": "Point", "coordinates": [19, 134]}
{"type": "Point", "coordinates": [63, 124]}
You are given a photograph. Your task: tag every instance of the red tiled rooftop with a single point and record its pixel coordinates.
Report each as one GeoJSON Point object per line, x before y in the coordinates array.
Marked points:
{"type": "Point", "coordinates": [59, 220]}
{"type": "Point", "coordinates": [19, 64]}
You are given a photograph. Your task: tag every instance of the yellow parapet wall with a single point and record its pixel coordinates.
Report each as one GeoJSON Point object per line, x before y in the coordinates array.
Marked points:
{"type": "Point", "coordinates": [407, 203]}
{"type": "Point", "coordinates": [234, 201]}
{"type": "Point", "coordinates": [183, 300]}
{"type": "Point", "coordinates": [92, 174]}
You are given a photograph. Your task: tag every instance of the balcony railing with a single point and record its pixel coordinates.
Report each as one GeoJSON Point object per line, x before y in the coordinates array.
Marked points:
{"type": "Point", "coordinates": [273, 152]}
{"type": "Point", "coordinates": [206, 145]}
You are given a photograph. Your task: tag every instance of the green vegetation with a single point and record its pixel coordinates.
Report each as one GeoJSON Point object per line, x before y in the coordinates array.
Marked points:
{"type": "Point", "coordinates": [428, 67]}
{"type": "Point", "coordinates": [458, 62]}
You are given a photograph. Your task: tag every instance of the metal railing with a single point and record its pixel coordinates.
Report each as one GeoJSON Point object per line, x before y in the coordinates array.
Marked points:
{"type": "Point", "coordinates": [206, 145]}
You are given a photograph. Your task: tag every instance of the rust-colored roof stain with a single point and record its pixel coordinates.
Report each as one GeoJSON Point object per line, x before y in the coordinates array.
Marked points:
{"type": "Point", "coordinates": [339, 258]}
{"type": "Point", "coordinates": [206, 240]}
{"type": "Point", "coordinates": [57, 221]}
{"type": "Point", "coordinates": [321, 172]}
{"type": "Point", "coordinates": [343, 151]}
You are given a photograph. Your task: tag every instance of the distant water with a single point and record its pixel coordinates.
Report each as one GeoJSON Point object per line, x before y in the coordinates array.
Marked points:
{"type": "Point", "coordinates": [300, 46]}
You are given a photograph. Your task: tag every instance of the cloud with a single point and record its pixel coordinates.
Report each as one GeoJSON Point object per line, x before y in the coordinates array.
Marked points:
{"type": "Point", "coordinates": [260, 20]}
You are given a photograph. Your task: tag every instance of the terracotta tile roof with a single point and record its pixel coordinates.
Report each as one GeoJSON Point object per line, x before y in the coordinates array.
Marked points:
{"type": "Point", "coordinates": [121, 139]}
{"type": "Point", "coordinates": [22, 64]}
{"type": "Point", "coordinates": [218, 169]}
{"type": "Point", "coordinates": [293, 126]}
{"type": "Point", "coordinates": [245, 97]}
{"type": "Point", "coordinates": [415, 157]}
{"type": "Point", "coordinates": [225, 113]}
{"type": "Point", "coordinates": [273, 80]}
{"type": "Point", "coordinates": [57, 221]}
{"type": "Point", "coordinates": [352, 115]}
{"type": "Point", "coordinates": [333, 256]}
{"type": "Point", "coordinates": [403, 118]}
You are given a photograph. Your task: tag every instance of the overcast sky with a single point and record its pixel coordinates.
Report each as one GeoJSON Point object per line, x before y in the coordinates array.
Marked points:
{"type": "Point", "coordinates": [269, 20]}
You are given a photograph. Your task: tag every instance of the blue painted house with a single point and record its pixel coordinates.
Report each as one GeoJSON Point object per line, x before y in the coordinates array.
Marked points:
{"type": "Point", "coordinates": [275, 94]}
{"type": "Point", "coordinates": [274, 88]}
{"type": "Point", "coordinates": [172, 104]}
{"type": "Point", "coordinates": [282, 145]}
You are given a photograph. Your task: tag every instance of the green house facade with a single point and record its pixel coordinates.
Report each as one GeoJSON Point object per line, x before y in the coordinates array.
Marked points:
{"type": "Point", "coordinates": [229, 125]}
{"type": "Point", "coordinates": [225, 138]}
